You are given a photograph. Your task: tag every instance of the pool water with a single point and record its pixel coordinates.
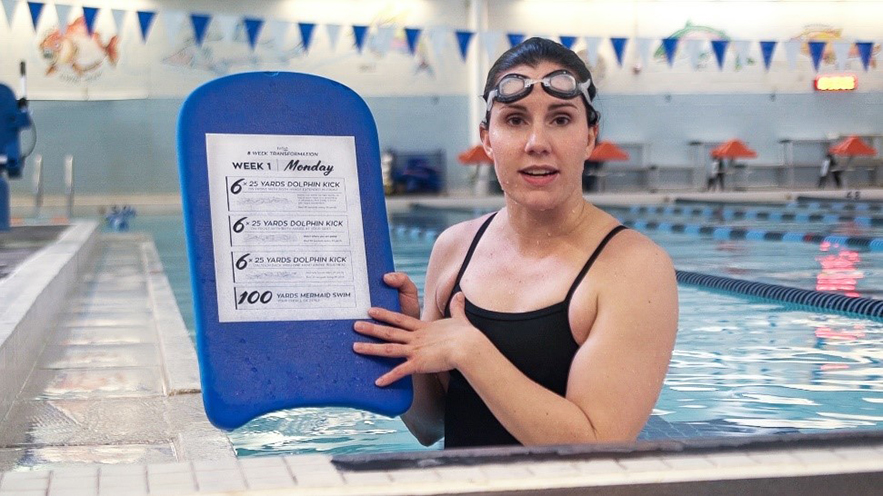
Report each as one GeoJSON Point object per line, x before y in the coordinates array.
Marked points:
{"type": "Point", "coordinates": [740, 366]}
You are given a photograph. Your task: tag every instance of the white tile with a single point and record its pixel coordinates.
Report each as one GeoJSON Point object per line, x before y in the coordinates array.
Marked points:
{"type": "Point", "coordinates": [17, 484]}
{"type": "Point", "coordinates": [171, 478]}
{"type": "Point", "coordinates": [414, 475]}
{"type": "Point", "coordinates": [72, 492]}
{"type": "Point", "coordinates": [593, 467]}
{"type": "Point", "coordinates": [122, 470]}
{"type": "Point", "coordinates": [688, 462]}
{"type": "Point", "coordinates": [219, 481]}
{"type": "Point", "coordinates": [318, 479]}
{"type": "Point", "coordinates": [551, 469]}
{"type": "Point", "coordinates": [22, 476]}
{"type": "Point", "coordinates": [859, 453]}
{"type": "Point", "coordinates": [22, 492]}
{"type": "Point", "coordinates": [122, 491]}
{"type": "Point", "coordinates": [270, 483]}
{"type": "Point", "coordinates": [734, 459]}
{"type": "Point", "coordinates": [643, 464]}
{"type": "Point", "coordinates": [476, 474]}
{"type": "Point", "coordinates": [122, 481]}
{"type": "Point", "coordinates": [171, 491]}
{"type": "Point", "coordinates": [773, 457]}
{"type": "Point", "coordinates": [167, 468]}
{"type": "Point", "coordinates": [74, 472]}
{"type": "Point", "coordinates": [73, 483]}
{"type": "Point", "coordinates": [216, 465]}
{"type": "Point", "coordinates": [266, 472]}
{"type": "Point", "coordinates": [261, 462]}
{"type": "Point", "coordinates": [816, 456]}
{"type": "Point", "coordinates": [366, 478]}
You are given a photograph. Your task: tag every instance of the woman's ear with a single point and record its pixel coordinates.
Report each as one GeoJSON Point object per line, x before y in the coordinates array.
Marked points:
{"type": "Point", "coordinates": [590, 144]}
{"type": "Point", "coordinates": [485, 140]}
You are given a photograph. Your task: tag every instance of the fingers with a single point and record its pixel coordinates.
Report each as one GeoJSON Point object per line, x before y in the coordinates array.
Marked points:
{"type": "Point", "coordinates": [395, 319]}
{"type": "Point", "coordinates": [395, 374]}
{"type": "Point", "coordinates": [385, 333]}
{"type": "Point", "coordinates": [400, 281]}
{"type": "Point", "coordinates": [389, 350]}
{"type": "Point", "coordinates": [458, 306]}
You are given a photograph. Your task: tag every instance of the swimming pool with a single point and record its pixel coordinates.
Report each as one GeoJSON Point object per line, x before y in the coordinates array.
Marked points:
{"type": "Point", "coordinates": [740, 366]}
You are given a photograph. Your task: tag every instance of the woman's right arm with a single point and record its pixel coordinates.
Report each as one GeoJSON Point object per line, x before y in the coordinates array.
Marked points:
{"type": "Point", "coordinates": [426, 417]}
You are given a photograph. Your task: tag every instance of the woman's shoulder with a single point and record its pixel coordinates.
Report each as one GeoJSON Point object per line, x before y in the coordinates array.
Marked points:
{"type": "Point", "coordinates": [457, 238]}
{"type": "Point", "coordinates": [634, 254]}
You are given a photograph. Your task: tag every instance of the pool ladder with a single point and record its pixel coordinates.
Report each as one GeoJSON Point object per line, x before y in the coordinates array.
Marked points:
{"type": "Point", "coordinates": [37, 185]}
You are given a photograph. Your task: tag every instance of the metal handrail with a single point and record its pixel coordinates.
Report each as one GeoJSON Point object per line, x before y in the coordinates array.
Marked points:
{"type": "Point", "coordinates": [38, 184]}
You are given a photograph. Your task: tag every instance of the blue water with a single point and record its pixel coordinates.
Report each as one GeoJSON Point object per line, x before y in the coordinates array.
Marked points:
{"type": "Point", "coordinates": [739, 367]}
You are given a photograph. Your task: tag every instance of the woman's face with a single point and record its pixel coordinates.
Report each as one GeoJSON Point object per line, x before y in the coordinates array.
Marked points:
{"type": "Point", "coordinates": [539, 144]}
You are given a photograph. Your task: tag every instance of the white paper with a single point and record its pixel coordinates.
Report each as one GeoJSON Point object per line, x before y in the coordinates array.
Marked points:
{"type": "Point", "coordinates": [287, 228]}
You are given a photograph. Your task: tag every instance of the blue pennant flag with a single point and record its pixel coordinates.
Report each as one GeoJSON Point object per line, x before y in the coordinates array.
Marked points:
{"type": "Point", "coordinates": [36, 8]}
{"type": "Point", "coordinates": [145, 21]}
{"type": "Point", "coordinates": [515, 38]}
{"type": "Point", "coordinates": [670, 45]}
{"type": "Point", "coordinates": [816, 49]}
{"type": "Point", "coordinates": [568, 41]}
{"type": "Point", "coordinates": [720, 51]}
{"type": "Point", "coordinates": [359, 34]}
{"type": "Point", "coordinates": [864, 52]}
{"type": "Point", "coordinates": [412, 35]}
{"type": "Point", "coordinates": [200, 23]}
{"type": "Point", "coordinates": [253, 29]}
{"type": "Point", "coordinates": [463, 39]}
{"type": "Point", "coordinates": [766, 49]}
{"type": "Point", "coordinates": [618, 48]}
{"type": "Point", "coordinates": [306, 34]}
{"type": "Point", "coordinates": [89, 14]}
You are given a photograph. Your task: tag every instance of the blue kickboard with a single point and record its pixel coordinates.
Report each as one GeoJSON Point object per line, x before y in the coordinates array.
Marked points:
{"type": "Point", "coordinates": [277, 172]}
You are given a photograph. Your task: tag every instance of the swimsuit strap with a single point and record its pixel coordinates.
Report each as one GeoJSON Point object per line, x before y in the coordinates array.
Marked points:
{"type": "Point", "coordinates": [591, 260]}
{"type": "Point", "coordinates": [466, 260]}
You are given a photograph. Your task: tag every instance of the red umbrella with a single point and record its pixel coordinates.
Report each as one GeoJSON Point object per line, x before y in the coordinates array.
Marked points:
{"type": "Point", "coordinates": [853, 146]}
{"type": "Point", "coordinates": [607, 150]}
{"type": "Point", "coordinates": [474, 156]}
{"type": "Point", "coordinates": [733, 149]}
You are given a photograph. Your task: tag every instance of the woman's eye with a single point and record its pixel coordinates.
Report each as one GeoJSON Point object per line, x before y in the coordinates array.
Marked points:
{"type": "Point", "coordinates": [561, 120]}
{"type": "Point", "coordinates": [514, 120]}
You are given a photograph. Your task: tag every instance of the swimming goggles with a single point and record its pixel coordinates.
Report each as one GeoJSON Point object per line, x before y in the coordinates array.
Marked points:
{"type": "Point", "coordinates": [560, 84]}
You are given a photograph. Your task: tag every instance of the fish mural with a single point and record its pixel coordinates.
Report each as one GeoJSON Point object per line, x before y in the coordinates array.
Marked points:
{"type": "Point", "coordinates": [76, 50]}
{"type": "Point", "coordinates": [828, 33]}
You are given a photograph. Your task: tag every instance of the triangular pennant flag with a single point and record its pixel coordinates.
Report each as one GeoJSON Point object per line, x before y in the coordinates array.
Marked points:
{"type": "Point", "coordinates": [253, 30]}
{"type": "Point", "coordinates": [383, 38]}
{"type": "Point", "coordinates": [306, 34]}
{"type": "Point", "coordinates": [412, 35]}
{"type": "Point", "coordinates": [694, 49]}
{"type": "Point", "coordinates": [200, 25]}
{"type": "Point", "coordinates": [463, 39]}
{"type": "Point", "coordinates": [491, 40]}
{"type": "Point", "coordinates": [279, 31]}
{"type": "Point", "coordinates": [567, 41]}
{"type": "Point", "coordinates": [359, 36]}
{"type": "Point", "coordinates": [816, 50]}
{"type": "Point", "coordinates": [9, 8]}
{"type": "Point", "coordinates": [438, 38]}
{"type": "Point", "coordinates": [618, 48]}
{"type": "Point", "coordinates": [841, 52]}
{"type": "Point", "coordinates": [719, 47]}
{"type": "Point", "coordinates": [89, 14]}
{"type": "Point", "coordinates": [119, 18]}
{"type": "Point", "coordinates": [145, 20]}
{"type": "Point", "coordinates": [64, 16]}
{"type": "Point", "coordinates": [592, 43]}
{"type": "Point", "coordinates": [173, 21]}
{"type": "Point", "coordinates": [864, 52]}
{"type": "Point", "coordinates": [670, 46]}
{"type": "Point", "coordinates": [741, 47]}
{"type": "Point", "coordinates": [333, 32]}
{"type": "Point", "coordinates": [767, 48]}
{"type": "Point", "coordinates": [515, 38]}
{"type": "Point", "coordinates": [36, 8]}
{"type": "Point", "coordinates": [643, 46]}
{"type": "Point", "coordinates": [227, 25]}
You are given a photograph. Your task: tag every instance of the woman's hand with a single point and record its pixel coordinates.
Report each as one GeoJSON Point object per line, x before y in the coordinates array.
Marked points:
{"type": "Point", "coordinates": [427, 347]}
{"type": "Point", "coordinates": [409, 300]}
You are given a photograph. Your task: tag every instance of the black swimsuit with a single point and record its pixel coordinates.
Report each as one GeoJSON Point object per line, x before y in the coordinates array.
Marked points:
{"type": "Point", "coordinates": [539, 343]}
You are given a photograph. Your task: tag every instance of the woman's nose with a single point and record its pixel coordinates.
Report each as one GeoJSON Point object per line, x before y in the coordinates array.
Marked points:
{"type": "Point", "coordinates": [537, 140]}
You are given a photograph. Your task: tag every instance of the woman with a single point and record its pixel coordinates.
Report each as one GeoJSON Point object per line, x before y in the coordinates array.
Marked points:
{"type": "Point", "coordinates": [519, 341]}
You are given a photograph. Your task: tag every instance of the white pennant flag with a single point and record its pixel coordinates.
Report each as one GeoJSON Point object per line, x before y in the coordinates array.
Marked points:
{"type": "Point", "coordinates": [741, 48]}
{"type": "Point", "coordinates": [791, 49]}
{"type": "Point", "coordinates": [64, 16]}
{"type": "Point", "coordinates": [279, 32]}
{"type": "Point", "coordinates": [383, 38]}
{"type": "Point", "coordinates": [841, 52]}
{"type": "Point", "coordinates": [643, 46]}
{"type": "Point", "coordinates": [333, 32]}
{"type": "Point", "coordinates": [9, 8]}
{"type": "Point", "coordinates": [173, 21]}
{"type": "Point", "coordinates": [227, 24]}
{"type": "Point", "coordinates": [694, 50]}
{"type": "Point", "coordinates": [592, 43]}
{"type": "Point", "coordinates": [491, 42]}
{"type": "Point", "coordinates": [438, 38]}
{"type": "Point", "coordinates": [119, 18]}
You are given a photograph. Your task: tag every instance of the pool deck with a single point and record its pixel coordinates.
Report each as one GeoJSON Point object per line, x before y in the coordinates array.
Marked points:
{"type": "Point", "coordinates": [101, 396]}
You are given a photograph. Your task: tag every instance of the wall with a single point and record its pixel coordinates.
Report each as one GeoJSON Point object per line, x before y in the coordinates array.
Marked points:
{"type": "Point", "coordinates": [119, 122]}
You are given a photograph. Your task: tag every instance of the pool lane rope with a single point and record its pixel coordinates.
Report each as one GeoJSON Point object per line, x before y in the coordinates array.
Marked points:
{"type": "Point", "coordinates": [800, 203]}
{"type": "Point", "coordinates": [725, 233]}
{"type": "Point", "coordinates": [815, 300]}
{"type": "Point", "coordinates": [731, 213]}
